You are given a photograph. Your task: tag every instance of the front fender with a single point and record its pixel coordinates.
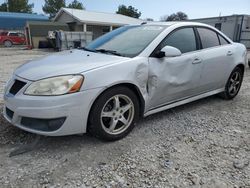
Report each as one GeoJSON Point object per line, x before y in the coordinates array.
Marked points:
{"type": "Point", "coordinates": [133, 71]}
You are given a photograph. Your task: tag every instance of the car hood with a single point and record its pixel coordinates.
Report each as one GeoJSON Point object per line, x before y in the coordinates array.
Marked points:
{"type": "Point", "coordinates": [67, 62]}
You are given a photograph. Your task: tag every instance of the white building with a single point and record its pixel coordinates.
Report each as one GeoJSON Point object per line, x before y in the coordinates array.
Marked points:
{"type": "Point", "coordinates": [236, 27]}
{"type": "Point", "coordinates": [97, 22]}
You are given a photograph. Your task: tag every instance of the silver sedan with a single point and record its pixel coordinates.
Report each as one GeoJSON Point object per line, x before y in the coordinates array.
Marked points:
{"type": "Point", "coordinates": [131, 72]}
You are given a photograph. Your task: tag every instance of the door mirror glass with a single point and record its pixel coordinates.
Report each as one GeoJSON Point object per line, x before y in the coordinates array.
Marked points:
{"type": "Point", "coordinates": [169, 51]}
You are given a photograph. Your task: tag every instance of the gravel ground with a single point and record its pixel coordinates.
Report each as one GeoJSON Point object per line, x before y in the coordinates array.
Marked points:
{"type": "Point", "coordinates": [205, 144]}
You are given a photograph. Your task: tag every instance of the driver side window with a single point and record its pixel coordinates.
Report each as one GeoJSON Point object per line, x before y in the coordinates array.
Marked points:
{"type": "Point", "coordinates": [183, 39]}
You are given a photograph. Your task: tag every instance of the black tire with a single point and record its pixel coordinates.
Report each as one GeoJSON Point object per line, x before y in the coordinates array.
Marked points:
{"type": "Point", "coordinates": [7, 43]}
{"type": "Point", "coordinates": [228, 94]}
{"type": "Point", "coordinates": [99, 126]}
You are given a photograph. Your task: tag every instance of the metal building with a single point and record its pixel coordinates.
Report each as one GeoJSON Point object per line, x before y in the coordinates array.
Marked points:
{"type": "Point", "coordinates": [17, 21]}
{"type": "Point", "coordinates": [236, 27]}
{"type": "Point", "coordinates": [98, 23]}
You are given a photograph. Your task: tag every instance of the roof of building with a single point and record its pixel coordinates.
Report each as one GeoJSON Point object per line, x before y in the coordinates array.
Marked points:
{"type": "Point", "coordinates": [98, 17]}
{"type": "Point", "coordinates": [23, 16]}
{"type": "Point", "coordinates": [12, 20]}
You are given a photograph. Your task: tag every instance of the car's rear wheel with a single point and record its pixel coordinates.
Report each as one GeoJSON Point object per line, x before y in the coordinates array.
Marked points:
{"type": "Point", "coordinates": [7, 43]}
{"type": "Point", "coordinates": [233, 84]}
{"type": "Point", "coordinates": [114, 114]}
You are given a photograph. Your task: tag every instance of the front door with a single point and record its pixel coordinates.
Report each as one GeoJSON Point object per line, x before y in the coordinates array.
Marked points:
{"type": "Point", "coordinates": [175, 78]}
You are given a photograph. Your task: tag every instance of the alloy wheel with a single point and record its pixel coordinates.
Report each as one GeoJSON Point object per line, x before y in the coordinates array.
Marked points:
{"type": "Point", "coordinates": [117, 114]}
{"type": "Point", "coordinates": [234, 83]}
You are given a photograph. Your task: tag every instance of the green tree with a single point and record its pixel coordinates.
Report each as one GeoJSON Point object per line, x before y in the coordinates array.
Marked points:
{"type": "Point", "coordinates": [51, 7]}
{"type": "Point", "coordinates": [76, 4]}
{"type": "Point", "coordinates": [3, 7]}
{"type": "Point", "coordinates": [17, 6]}
{"type": "Point", "coordinates": [175, 17]}
{"type": "Point", "coordinates": [128, 11]}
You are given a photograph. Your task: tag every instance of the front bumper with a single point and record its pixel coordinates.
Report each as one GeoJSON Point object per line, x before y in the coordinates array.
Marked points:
{"type": "Point", "coordinates": [71, 110]}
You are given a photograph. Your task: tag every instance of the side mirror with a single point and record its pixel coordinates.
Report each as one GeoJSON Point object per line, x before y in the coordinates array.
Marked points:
{"type": "Point", "coordinates": [169, 51]}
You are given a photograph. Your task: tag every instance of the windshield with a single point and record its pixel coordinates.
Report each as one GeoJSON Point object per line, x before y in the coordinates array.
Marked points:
{"type": "Point", "coordinates": [126, 41]}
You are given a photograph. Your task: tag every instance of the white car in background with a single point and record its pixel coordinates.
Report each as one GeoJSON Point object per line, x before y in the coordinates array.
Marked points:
{"type": "Point", "coordinates": [132, 72]}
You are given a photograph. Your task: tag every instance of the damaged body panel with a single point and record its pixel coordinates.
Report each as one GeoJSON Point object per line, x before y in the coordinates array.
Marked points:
{"type": "Point", "coordinates": [171, 79]}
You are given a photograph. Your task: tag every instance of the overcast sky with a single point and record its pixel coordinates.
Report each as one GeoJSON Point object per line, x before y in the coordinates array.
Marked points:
{"type": "Point", "coordinates": [157, 8]}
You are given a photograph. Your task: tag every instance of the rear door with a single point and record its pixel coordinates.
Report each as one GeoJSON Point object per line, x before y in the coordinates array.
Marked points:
{"type": "Point", "coordinates": [217, 55]}
{"type": "Point", "coordinates": [22, 38]}
{"type": "Point", "coordinates": [175, 78]}
{"type": "Point", "coordinates": [13, 36]}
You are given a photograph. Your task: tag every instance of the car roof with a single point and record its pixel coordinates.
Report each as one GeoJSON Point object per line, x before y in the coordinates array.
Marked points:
{"type": "Point", "coordinates": [177, 23]}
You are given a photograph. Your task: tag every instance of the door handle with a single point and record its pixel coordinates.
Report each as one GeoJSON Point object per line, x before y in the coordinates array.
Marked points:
{"type": "Point", "coordinates": [229, 53]}
{"type": "Point", "coordinates": [197, 60]}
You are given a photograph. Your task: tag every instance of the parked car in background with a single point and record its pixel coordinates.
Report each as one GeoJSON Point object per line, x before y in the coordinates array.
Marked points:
{"type": "Point", "coordinates": [131, 72]}
{"type": "Point", "coordinates": [11, 37]}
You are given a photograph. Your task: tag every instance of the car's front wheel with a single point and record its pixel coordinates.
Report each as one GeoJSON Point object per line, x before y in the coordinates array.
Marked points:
{"type": "Point", "coordinates": [233, 84]}
{"type": "Point", "coordinates": [114, 114]}
{"type": "Point", "coordinates": [7, 43]}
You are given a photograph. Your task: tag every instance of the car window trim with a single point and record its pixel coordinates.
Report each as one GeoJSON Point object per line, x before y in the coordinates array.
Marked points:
{"type": "Point", "coordinates": [153, 54]}
{"type": "Point", "coordinates": [219, 35]}
{"type": "Point", "coordinates": [198, 39]}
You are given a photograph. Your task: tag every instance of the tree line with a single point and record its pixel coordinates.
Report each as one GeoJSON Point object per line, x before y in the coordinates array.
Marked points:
{"type": "Point", "coordinates": [51, 7]}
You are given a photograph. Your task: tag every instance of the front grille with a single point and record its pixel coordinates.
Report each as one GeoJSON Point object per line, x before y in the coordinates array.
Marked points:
{"type": "Point", "coordinates": [16, 87]}
{"type": "Point", "coordinates": [9, 113]}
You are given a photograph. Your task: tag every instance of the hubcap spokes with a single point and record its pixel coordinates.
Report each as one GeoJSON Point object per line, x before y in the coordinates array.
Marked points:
{"type": "Point", "coordinates": [234, 83]}
{"type": "Point", "coordinates": [117, 114]}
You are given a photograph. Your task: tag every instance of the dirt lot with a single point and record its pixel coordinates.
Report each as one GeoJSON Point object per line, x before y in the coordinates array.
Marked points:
{"type": "Point", "coordinates": [203, 144]}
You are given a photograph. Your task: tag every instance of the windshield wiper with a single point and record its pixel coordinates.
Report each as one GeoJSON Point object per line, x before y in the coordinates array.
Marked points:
{"type": "Point", "coordinates": [101, 51]}
{"type": "Point", "coordinates": [108, 51]}
{"type": "Point", "coordinates": [87, 49]}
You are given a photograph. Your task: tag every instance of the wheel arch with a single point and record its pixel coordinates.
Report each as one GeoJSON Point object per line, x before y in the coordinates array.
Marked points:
{"type": "Point", "coordinates": [242, 67]}
{"type": "Point", "coordinates": [7, 40]}
{"type": "Point", "coordinates": [138, 93]}
{"type": "Point", "coordinates": [130, 86]}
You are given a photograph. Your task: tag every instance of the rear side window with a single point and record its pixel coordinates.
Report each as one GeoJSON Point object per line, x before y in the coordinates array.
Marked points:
{"type": "Point", "coordinates": [223, 41]}
{"type": "Point", "coordinates": [20, 35]}
{"type": "Point", "coordinates": [208, 38]}
{"type": "Point", "coordinates": [13, 34]}
{"type": "Point", "coordinates": [183, 39]}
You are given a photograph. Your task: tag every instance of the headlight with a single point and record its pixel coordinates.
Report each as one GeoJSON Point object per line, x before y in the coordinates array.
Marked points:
{"type": "Point", "coordinates": [56, 86]}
